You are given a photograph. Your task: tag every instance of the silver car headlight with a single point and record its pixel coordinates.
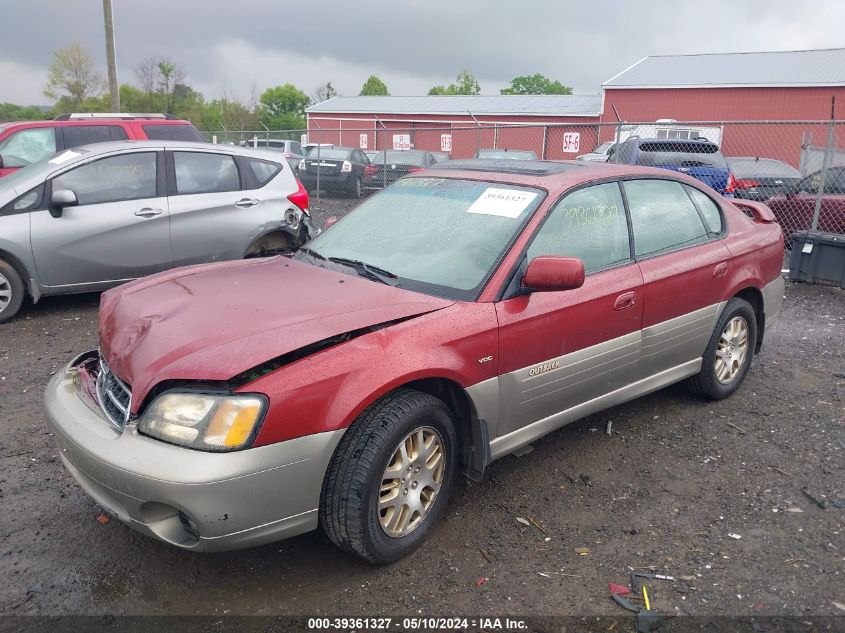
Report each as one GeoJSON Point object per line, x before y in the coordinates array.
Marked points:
{"type": "Point", "coordinates": [206, 422]}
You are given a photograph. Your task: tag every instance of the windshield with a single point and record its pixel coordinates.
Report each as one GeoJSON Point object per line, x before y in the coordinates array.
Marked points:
{"type": "Point", "coordinates": [399, 156]}
{"type": "Point", "coordinates": [762, 168]}
{"type": "Point", "coordinates": [332, 153]}
{"type": "Point", "coordinates": [439, 236]}
{"type": "Point", "coordinates": [681, 155]}
{"type": "Point", "coordinates": [513, 154]}
{"type": "Point", "coordinates": [40, 170]}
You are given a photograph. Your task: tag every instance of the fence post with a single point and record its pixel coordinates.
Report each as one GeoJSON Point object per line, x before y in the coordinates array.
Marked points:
{"type": "Point", "coordinates": [318, 171]}
{"type": "Point", "coordinates": [828, 153]}
{"type": "Point", "coordinates": [615, 155]}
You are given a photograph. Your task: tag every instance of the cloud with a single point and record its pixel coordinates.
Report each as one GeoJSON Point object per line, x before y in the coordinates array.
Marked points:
{"type": "Point", "coordinates": [22, 83]}
{"type": "Point", "coordinates": [412, 45]}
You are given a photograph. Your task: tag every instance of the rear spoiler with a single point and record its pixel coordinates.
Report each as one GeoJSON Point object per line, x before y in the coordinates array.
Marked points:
{"type": "Point", "coordinates": [758, 211]}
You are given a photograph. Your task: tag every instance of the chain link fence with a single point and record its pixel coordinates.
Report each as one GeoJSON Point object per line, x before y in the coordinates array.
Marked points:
{"type": "Point", "coordinates": [796, 167]}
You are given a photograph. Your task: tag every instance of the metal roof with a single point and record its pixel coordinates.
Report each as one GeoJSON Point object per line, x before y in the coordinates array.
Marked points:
{"type": "Point", "coordinates": [822, 67]}
{"type": "Point", "coordinates": [479, 105]}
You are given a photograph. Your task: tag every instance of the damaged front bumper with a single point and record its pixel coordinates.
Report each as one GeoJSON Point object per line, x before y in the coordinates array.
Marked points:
{"type": "Point", "coordinates": [192, 499]}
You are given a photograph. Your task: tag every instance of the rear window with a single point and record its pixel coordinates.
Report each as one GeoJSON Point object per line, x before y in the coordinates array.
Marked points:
{"type": "Point", "coordinates": [330, 153]}
{"type": "Point", "coordinates": [762, 168]}
{"type": "Point", "coordinates": [173, 133]}
{"type": "Point", "coordinates": [681, 155]}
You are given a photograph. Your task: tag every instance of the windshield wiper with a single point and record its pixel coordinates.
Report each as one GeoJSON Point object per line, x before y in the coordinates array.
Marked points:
{"type": "Point", "coordinates": [311, 253]}
{"type": "Point", "coordinates": [373, 272]}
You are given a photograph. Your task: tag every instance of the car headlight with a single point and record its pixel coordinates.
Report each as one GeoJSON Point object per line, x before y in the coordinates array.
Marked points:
{"type": "Point", "coordinates": [205, 422]}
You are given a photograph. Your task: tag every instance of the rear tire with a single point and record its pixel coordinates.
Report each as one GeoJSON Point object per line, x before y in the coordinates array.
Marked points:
{"type": "Point", "coordinates": [390, 477]}
{"type": "Point", "coordinates": [356, 189]}
{"type": "Point", "coordinates": [727, 357]}
{"type": "Point", "coordinates": [12, 291]}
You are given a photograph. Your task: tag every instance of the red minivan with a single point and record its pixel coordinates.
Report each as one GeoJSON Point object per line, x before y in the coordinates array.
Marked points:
{"type": "Point", "coordinates": [25, 142]}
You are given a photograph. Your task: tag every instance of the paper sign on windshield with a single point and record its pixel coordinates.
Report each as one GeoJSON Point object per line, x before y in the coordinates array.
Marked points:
{"type": "Point", "coordinates": [64, 157]}
{"type": "Point", "coordinates": [506, 203]}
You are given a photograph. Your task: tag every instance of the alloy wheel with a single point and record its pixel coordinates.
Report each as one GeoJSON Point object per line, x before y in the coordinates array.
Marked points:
{"type": "Point", "coordinates": [411, 481]}
{"type": "Point", "coordinates": [732, 350]}
{"type": "Point", "coordinates": [5, 292]}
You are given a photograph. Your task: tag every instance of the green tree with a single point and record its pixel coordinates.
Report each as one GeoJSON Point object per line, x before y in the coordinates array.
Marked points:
{"type": "Point", "coordinates": [374, 87]}
{"type": "Point", "coordinates": [72, 77]}
{"type": "Point", "coordinates": [283, 107]}
{"type": "Point", "coordinates": [14, 112]}
{"type": "Point", "coordinates": [536, 84]}
{"type": "Point", "coordinates": [465, 84]}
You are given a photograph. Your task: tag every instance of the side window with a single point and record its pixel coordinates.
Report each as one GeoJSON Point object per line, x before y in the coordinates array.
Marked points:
{"type": "Point", "coordinates": [662, 216]}
{"type": "Point", "coordinates": [77, 135]}
{"type": "Point", "coordinates": [198, 172]}
{"type": "Point", "coordinates": [589, 223]}
{"type": "Point", "coordinates": [709, 209]}
{"type": "Point", "coordinates": [262, 170]}
{"type": "Point", "coordinates": [27, 202]}
{"type": "Point", "coordinates": [295, 148]}
{"type": "Point", "coordinates": [28, 146]}
{"type": "Point", "coordinates": [627, 153]}
{"type": "Point", "coordinates": [123, 177]}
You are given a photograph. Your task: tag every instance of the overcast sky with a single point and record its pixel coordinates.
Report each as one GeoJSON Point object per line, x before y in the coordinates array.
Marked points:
{"type": "Point", "coordinates": [228, 47]}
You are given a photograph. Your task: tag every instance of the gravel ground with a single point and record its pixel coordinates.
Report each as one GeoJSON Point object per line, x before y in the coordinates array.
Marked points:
{"type": "Point", "coordinates": [742, 501]}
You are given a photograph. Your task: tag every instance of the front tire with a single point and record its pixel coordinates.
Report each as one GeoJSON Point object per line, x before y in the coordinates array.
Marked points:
{"type": "Point", "coordinates": [728, 355]}
{"type": "Point", "coordinates": [390, 477]}
{"type": "Point", "coordinates": [11, 291]}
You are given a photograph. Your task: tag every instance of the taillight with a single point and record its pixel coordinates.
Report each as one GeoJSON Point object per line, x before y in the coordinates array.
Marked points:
{"type": "Point", "coordinates": [302, 165]}
{"type": "Point", "coordinates": [732, 183]}
{"type": "Point", "coordinates": [347, 166]}
{"type": "Point", "coordinates": [300, 198]}
{"type": "Point", "coordinates": [744, 183]}
{"type": "Point", "coordinates": [411, 170]}
{"type": "Point", "coordinates": [370, 170]}
{"type": "Point", "coordinates": [287, 154]}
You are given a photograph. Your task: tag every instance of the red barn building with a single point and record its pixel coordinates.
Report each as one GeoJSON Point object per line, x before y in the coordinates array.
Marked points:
{"type": "Point", "coordinates": [733, 87]}
{"type": "Point", "coordinates": [533, 122]}
{"type": "Point", "coordinates": [759, 100]}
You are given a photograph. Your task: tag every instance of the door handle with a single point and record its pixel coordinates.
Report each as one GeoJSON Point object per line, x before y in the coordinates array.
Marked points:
{"type": "Point", "coordinates": [720, 269]}
{"type": "Point", "coordinates": [625, 300]}
{"type": "Point", "coordinates": [147, 212]}
{"type": "Point", "coordinates": [246, 202]}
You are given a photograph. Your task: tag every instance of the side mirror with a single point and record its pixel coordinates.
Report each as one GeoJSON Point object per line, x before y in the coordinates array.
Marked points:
{"type": "Point", "coordinates": [60, 199]}
{"type": "Point", "coordinates": [330, 220]}
{"type": "Point", "coordinates": [548, 274]}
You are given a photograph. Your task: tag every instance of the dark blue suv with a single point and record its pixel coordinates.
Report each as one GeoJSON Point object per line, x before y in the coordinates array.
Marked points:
{"type": "Point", "coordinates": [700, 159]}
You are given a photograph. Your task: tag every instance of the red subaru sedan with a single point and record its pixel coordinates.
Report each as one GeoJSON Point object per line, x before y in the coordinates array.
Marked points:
{"type": "Point", "coordinates": [449, 320]}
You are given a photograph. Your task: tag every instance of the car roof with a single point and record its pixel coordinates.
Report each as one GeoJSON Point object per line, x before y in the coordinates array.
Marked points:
{"type": "Point", "coordinates": [673, 141]}
{"type": "Point", "coordinates": [112, 146]}
{"type": "Point", "coordinates": [547, 174]}
{"type": "Point", "coordinates": [96, 121]}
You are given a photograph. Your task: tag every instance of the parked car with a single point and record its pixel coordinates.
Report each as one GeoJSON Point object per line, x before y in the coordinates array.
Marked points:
{"type": "Point", "coordinates": [291, 150]}
{"type": "Point", "coordinates": [795, 207]}
{"type": "Point", "coordinates": [391, 165]}
{"type": "Point", "coordinates": [447, 321]}
{"type": "Point", "coordinates": [761, 178]}
{"type": "Point", "coordinates": [506, 154]}
{"type": "Point", "coordinates": [27, 142]}
{"type": "Point", "coordinates": [341, 170]}
{"type": "Point", "coordinates": [699, 158]}
{"type": "Point", "coordinates": [601, 154]}
{"type": "Point", "coordinates": [100, 215]}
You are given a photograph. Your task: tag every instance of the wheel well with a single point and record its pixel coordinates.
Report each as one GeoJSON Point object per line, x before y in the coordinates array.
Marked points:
{"type": "Point", "coordinates": [15, 263]}
{"type": "Point", "coordinates": [276, 240]}
{"type": "Point", "coordinates": [755, 298]}
{"type": "Point", "coordinates": [454, 396]}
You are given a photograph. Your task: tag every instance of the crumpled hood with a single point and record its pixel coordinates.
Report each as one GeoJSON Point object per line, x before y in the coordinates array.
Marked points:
{"type": "Point", "coordinates": [212, 322]}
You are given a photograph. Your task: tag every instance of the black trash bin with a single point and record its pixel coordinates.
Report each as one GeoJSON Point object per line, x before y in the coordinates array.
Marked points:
{"type": "Point", "coordinates": [818, 258]}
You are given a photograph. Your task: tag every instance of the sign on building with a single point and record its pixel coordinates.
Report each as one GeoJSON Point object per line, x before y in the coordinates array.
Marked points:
{"type": "Point", "coordinates": [362, 141]}
{"type": "Point", "coordinates": [445, 142]}
{"type": "Point", "coordinates": [571, 142]}
{"type": "Point", "coordinates": [401, 141]}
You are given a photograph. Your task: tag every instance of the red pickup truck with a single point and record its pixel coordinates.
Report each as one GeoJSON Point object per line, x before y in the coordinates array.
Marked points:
{"type": "Point", "coordinates": [449, 320]}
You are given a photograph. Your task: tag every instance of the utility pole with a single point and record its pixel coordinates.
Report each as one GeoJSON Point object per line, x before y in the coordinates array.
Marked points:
{"type": "Point", "coordinates": [114, 90]}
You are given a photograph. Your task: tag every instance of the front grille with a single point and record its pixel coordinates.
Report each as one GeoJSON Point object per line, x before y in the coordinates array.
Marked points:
{"type": "Point", "coordinates": [114, 395]}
